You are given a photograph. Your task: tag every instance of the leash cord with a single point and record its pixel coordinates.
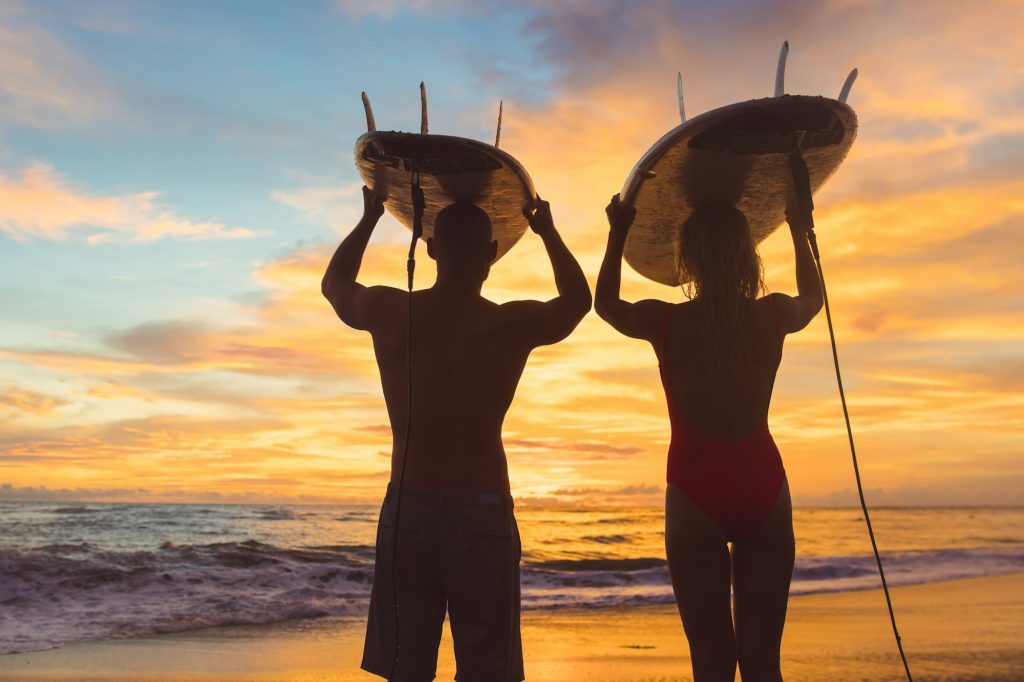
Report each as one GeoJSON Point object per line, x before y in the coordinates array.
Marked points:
{"type": "Point", "coordinates": [853, 450]}
{"type": "Point", "coordinates": [410, 266]}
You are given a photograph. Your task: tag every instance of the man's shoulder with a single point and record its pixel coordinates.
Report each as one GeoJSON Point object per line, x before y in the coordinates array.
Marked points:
{"type": "Point", "coordinates": [385, 293]}
{"type": "Point", "coordinates": [521, 308]}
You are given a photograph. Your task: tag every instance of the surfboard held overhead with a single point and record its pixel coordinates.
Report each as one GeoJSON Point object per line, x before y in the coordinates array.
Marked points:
{"type": "Point", "coordinates": [735, 154]}
{"type": "Point", "coordinates": [449, 170]}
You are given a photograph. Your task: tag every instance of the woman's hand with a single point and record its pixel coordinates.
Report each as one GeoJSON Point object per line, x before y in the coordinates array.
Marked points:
{"type": "Point", "coordinates": [373, 205]}
{"type": "Point", "coordinates": [620, 218]}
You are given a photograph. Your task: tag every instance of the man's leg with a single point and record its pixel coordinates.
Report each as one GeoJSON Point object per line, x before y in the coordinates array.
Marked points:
{"type": "Point", "coordinates": [481, 575]}
{"type": "Point", "coordinates": [421, 601]}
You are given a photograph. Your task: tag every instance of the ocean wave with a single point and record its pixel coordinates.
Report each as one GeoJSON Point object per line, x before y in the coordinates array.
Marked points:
{"type": "Point", "coordinates": [57, 594]}
{"type": "Point", "coordinates": [63, 592]}
{"type": "Point", "coordinates": [605, 565]}
{"type": "Point", "coordinates": [588, 583]}
{"type": "Point", "coordinates": [64, 548]}
{"type": "Point", "coordinates": [841, 574]}
{"type": "Point", "coordinates": [607, 539]}
{"type": "Point", "coordinates": [359, 515]}
{"type": "Point", "coordinates": [276, 515]}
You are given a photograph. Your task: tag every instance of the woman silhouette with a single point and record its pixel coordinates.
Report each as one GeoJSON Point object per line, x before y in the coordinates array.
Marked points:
{"type": "Point", "coordinates": [718, 354]}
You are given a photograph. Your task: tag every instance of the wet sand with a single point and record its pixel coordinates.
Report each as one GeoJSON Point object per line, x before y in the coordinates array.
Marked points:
{"type": "Point", "coordinates": [966, 630]}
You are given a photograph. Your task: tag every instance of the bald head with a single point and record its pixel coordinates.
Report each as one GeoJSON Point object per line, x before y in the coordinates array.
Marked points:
{"type": "Point", "coordinates": [462, 232]}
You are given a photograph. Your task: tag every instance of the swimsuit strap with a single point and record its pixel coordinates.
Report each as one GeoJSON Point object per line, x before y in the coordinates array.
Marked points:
{"type": "Point", "coordinates": [778, 316]}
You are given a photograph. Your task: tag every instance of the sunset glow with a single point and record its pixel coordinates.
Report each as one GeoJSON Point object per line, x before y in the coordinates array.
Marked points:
{"type": "Point", "coordinates": [174, 179]}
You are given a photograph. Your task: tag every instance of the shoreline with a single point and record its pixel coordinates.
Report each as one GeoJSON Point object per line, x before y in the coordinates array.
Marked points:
{"type": "Point", "coordinates": [953, 630]}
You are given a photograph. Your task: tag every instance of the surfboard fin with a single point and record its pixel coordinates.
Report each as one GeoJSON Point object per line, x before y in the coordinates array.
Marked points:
{"type": "Point", "coordinates": [845, 92]}
{"type": "Point", "coordinates": [679, 88]}
{"type": "Point", "coordinates": [780, 70]}
{"type": "Point", "coordinates": [371, 125]}
{"type": "Point", "coordinates": [497, 135]}
{"type": "Point", "coordinates": [423, 109]}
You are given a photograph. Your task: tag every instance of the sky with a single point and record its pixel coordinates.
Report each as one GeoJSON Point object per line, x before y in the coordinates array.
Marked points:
{"type": "Point", "coordinates": [174, 178]}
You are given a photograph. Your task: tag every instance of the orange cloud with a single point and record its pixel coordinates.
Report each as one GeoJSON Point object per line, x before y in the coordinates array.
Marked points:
{"type": "Point", "coordinates": [31, 402]}
{"type": "Point", "coordinates": [41, 204]}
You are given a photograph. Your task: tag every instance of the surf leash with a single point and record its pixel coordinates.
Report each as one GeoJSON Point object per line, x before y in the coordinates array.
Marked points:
{"type": "Point", "coordinates": [798, 167]}
{"type": "Point", "coordinates": [419, 205]}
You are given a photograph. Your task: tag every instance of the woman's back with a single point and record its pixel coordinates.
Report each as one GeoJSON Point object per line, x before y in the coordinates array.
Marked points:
{"type": "Point", "coordinates": [715, 387]}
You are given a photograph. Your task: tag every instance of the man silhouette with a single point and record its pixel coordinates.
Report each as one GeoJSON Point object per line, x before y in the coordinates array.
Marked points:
{"type": "Point", "coordinates": [458, 544]}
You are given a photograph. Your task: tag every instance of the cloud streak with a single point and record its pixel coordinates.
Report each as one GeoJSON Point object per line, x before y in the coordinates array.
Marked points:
{"type": "Point", "coordinates": [43, 83]}
{"type": "Point", "coordinates": [41, 204]}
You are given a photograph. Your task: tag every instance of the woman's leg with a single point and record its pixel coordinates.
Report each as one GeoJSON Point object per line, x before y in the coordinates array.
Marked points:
{"type": "Point", "coordinates": [698, 560]}
{"type": "Point", "coordinates": [762, 569]}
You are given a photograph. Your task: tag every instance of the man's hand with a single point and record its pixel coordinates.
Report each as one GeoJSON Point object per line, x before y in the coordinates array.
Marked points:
{"type": "Point", "coordinates": [539, 217]}
{"type": "Point", "coordinates": [620, 218]}
{"type": "Point", "coordinates": [373, 205]}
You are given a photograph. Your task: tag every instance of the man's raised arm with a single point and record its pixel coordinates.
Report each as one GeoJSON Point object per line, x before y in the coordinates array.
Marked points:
{"type": "Point", "coordinates": [354, 303]}
{"type": "Point", "coordinates": [551, 321]}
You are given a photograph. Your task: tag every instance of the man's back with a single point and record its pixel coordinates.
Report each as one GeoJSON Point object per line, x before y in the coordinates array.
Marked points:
{"type": "Point", "coordinates": [468, 356]}
{"type": "Point", "coordinates": [467, 352]}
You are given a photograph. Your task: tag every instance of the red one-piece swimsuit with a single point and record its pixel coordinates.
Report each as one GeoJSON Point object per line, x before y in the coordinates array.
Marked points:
{"type": "Point", "coordinates": [736, 482]}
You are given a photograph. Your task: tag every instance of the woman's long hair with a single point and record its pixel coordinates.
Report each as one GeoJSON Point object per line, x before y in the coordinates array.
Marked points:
{"type": "Point", "coordinates": [717, 254]}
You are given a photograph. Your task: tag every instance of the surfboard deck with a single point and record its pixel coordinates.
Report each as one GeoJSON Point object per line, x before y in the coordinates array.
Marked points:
{"type": "Point", "coordinates": [451, 169]}
{"type": "Point", "coordinates": [737, 153]}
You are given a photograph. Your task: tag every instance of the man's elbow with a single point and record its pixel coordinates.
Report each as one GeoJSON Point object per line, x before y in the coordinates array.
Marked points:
{"type": "Point", "coordinates": [332, 288]}
{"type": "Point", "coordinates": [582, 303]}
{"type": "Point", "coordinates": [333, 293]}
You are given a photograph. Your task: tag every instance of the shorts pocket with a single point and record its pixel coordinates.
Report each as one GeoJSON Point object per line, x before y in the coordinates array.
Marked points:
{"type": "Point", "coordinates": [488, 523]}
{"type": "Point", "coordinates": [410, 520]}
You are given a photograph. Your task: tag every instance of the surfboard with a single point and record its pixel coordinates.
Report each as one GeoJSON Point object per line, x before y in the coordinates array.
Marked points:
{"type": "Point", "coordinates": [738, 154]}
{"type": "Point", "coordinates": [450, 169]}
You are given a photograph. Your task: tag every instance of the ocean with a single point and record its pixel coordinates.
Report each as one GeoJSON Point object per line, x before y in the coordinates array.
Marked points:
{"type": "Point", "coordinates": [79, 572]}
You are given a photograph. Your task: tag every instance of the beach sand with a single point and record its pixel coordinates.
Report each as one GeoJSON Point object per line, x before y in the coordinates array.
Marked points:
{"type": "Point", "coordinates": [966, 630]}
